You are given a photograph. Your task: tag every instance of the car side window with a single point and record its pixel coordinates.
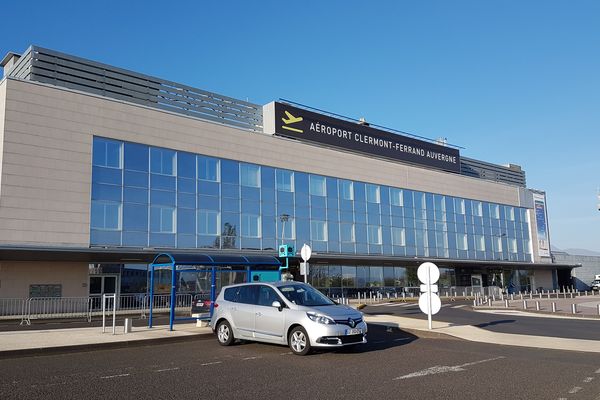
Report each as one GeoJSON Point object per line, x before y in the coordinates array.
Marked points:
{"type": "Point", "coordinates": [247, 294]}
{"type": "Point", "coordinates": [229, 294]}
{"type": "Point", "coordinates": [266, 296]}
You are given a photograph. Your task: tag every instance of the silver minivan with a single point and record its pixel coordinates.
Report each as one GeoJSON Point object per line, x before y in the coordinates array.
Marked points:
{"type": "Point", "coordinates": [289, 313]}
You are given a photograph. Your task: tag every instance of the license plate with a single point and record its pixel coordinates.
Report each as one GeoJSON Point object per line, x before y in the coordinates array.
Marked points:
{"type": "Point", "coordinates": [354, 331]}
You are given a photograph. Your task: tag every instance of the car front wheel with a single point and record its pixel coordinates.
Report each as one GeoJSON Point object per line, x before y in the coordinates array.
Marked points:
{"type": "Point", "coordinates": [224, 334]}
{"type": "Point", "coordinates": [299, 342]}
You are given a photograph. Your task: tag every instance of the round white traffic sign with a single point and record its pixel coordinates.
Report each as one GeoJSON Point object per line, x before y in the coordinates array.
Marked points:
{"type": "Point", "coordinates": [436, 303]}
{"type": "Point", "coordinates": [428, 272]}
{"type": "Point", "coordinates": [305, 252]}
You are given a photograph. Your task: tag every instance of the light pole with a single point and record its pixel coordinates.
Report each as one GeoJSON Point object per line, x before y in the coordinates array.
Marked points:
{"type": "Point", "coordinates": [285, 276]}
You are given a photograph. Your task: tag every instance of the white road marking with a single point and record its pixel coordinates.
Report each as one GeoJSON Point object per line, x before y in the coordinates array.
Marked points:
{"type": "Point", "coordinates": [440, 369]}
{"type": "Point", "coordinates": [167, 369]}
{"type": "Point", "coordinates": [459, 306]}
{"type": "Point", "coordinates": [113, 376]}
{"type": "Point", "coordinates": [575, 390]}
{"type": "Point", "coordinates": [251, 358]}
{"type": "Point", "coordinates": [588, 379]}
{"type": "Point", "coordinates": [211, 363]}
{"type": "Point", "coordinates": [285, 354]}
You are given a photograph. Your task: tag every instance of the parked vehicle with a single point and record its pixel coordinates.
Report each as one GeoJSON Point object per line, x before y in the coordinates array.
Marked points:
{"type": "Point", "coordinates": [596, 284]}
{"type": "Point", "coordinates": [288, 313]}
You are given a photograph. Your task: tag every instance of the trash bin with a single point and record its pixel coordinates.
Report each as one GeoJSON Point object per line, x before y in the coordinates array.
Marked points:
{"type": "Point", "coordinates": [127, 326]}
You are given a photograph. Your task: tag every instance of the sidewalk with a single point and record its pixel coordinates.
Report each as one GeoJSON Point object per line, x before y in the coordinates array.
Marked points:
{"type": "Point", "coordinates": [25, 342]}
{"type": "Point", "coordinates": [586, 306]}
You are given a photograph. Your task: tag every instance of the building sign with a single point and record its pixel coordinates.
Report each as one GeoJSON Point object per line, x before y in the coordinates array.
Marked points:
{"type": "Point", "coordinates": [541, 220]}
{"type": "Point", "coordinates": [313, 127]}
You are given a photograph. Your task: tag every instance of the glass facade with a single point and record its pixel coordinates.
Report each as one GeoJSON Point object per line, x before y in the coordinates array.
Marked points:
{"type": "Point", "coordinates": [143, 196]}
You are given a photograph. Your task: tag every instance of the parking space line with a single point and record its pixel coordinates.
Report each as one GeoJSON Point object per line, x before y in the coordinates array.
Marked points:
{"type": "Point", "coordinates": [575, 390]}
{"type": "Point", "coordinates": [211, 363]}
{"type": "Point", "coordinates": [113, 376]}
{"type": "Point", "coordinates": [167, 369]}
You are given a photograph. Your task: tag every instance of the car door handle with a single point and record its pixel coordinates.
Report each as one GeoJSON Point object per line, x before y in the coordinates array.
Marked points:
{"type": "Point", "coordinates": [258, 314]}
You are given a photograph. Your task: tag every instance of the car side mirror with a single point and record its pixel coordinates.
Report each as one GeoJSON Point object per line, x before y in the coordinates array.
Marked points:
{"type": "Point", "coordinates": [277, 305]}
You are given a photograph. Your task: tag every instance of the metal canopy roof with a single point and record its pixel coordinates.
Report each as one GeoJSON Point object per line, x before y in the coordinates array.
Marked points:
{"type": "Point", "coordinates": [214, 259]}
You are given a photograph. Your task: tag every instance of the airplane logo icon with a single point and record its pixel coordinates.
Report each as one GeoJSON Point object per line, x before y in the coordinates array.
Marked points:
{"type": "Point", "coordinates": [291, 120]}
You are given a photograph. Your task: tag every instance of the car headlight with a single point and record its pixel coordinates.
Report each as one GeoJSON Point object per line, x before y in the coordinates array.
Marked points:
{"type": "Point", "coordinates": [321, 319]}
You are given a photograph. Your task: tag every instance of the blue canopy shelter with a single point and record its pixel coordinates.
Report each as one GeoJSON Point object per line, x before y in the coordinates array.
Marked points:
{"type": "Point", "coordinates": [256, 267]}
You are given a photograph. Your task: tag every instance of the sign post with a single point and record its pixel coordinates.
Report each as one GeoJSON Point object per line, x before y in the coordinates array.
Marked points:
{"type": "Point", "coordinates": [305, 253]}
{"type": "Point", "coordinates": [429, 301]}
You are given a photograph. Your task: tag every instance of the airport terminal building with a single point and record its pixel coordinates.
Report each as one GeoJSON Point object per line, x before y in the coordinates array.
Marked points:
{"type": "Point", "coordinates": [102, 168]}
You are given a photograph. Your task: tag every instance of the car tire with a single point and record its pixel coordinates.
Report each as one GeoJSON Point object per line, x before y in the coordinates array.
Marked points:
{"type": "Point", "coordinates": [299, 342]}
{"type": "Point", "coordinates": [225, 333]}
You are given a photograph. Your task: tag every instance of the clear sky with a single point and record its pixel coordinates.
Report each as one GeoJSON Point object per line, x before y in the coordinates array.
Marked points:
{"type": "Point", "coordinates": [510, 81]}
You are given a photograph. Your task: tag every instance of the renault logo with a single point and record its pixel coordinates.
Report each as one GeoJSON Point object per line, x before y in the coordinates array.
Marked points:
{"type": "Point", "coordinates": [291, 120]}
{"type": "Point", "coordinates": [351, 322]}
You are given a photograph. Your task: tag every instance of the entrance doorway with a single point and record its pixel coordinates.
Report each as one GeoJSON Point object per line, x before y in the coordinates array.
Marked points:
{"type": "Point", "coordinates": [477, 283]}
{"type": "Point", "coordinates": [102, 284]}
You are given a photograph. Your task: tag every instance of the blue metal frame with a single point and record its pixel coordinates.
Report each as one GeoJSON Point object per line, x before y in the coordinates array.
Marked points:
{"type": "Point", "coordinates": [204, 260]}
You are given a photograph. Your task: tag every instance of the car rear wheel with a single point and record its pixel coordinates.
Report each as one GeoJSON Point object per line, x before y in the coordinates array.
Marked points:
{"type": "Point", "coordinates": [225, 334]}
{"type": "Point", "coordinates": [299, 342]}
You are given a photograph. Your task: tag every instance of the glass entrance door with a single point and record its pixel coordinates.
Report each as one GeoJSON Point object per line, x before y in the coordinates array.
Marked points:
{"type": "Point", "coordinates": [102, 284]}
{"type": "Point", "coordinates": [476, 283]}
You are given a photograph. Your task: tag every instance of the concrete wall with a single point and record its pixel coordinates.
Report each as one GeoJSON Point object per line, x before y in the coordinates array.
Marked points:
{"type": "Point", "coordinates": [47, 159]}
{"type": "Point", "coordinates": [584, 275]}
{"type": "Point", "coordinates": [15, 277]}
{"type": "Point", "coordinates": [543, 278]}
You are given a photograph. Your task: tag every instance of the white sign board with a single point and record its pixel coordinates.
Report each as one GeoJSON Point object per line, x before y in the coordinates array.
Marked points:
{"type": "Point", "coordinates": [428, 273]}
{"type": "Point", "coordinates": [436, 303]}
{"type": "Point", "coordinates": [306, 252]}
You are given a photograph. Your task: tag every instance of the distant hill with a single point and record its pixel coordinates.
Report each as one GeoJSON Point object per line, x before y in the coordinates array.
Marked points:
{"type": "Point", "coordinates": [578, 252]}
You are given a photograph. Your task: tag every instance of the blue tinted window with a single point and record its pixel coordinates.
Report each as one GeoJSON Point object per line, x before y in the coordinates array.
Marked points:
{"type": "Point", "coordinates": [135, 179]}
{"type": "Point", "coordinates": [106, 215]}
{"type": "Point", "coordinates": [106, 153]}
{"type": "Point", "coordinates": [318, 230]}
{"type": "Point", "coordinates": [285, 180]}
{"type": "Point", "coordinates": [317, 185]}
{"type": "Point", "coordinates": [186, 221]}
{"type": "Point", "coordinates": [208, 169]}
{"type": "Point", "coordinates": [186, 165]}
{"type": "Point", "coordinates": [208, 222]}
{"type": "Point", "coordinates": [162, 161]}
{"type": "Point", "coordinates": [162, 219]}
{"type": "Point", "coordinates": [135, 217]}
{"type": "Point", "coordinates": [250, 225]}
{"type": "Point", "coordinates": [107, 175]}
{"type": "Point", "coordinates": [373, 195]}
{"type": "Point", "coordinates": [135, 195]}
{"type": "Point", "coordinates": [347, 232]}
{"type": "Point", "coordinates": [346, 190]}
{"type": "Point", "coordinates": [136, 157]}
{"type": "Point", "coordinates": [250, 175]}
{"type": "Point", "coordinates": [106, 192]}
{"type": "Point", "coordinates": [230, 172]}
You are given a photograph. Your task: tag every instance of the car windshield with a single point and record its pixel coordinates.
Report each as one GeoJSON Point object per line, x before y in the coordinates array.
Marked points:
{"type": "Point", "coordinates": [303, 295]}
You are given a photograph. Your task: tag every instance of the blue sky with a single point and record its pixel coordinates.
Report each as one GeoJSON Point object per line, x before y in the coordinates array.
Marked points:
{"type": "Point", "coordinates": [510, 81]}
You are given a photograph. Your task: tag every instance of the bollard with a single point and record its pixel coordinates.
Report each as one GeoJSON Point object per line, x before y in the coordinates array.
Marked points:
{"type": "Point", "coordinates": [127, 325]}
{"type": "Point", "coordinates": [598, 309]}
{"type": "Point", "coordinates": [537, 305]}
{"type": "Point", "coordinates": [540, 295]}
{"type": "Point", "coordinates": [553, 307]}
{"type": "Point", "coordinates": [512, 296]}
{"type": "Point", "coordinates": [531, 295]}
{"type": "Point", "coordinates": [475, 303]}
{"type": "Point", "coordinates": [574, 308]}
{"type": "Point", "coordinates": [506, 304]}
{"type": "Point", "coordinates": [524, 304]}
{"type": "Point", "coordinates": [571, 294]}
{"type": "Point", "coordinates": [521, 295]}
{"type": "Point", "coordinates": [489, 302]}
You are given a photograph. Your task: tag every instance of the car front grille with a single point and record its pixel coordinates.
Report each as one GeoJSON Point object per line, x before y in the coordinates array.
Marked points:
{"type": "Point", "coordinates": [345, 322]}
{"type": "Point", "coordinates": [352, 339]}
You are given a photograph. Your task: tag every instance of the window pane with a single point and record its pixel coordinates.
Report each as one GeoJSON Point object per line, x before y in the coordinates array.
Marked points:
{"type": "Point", "coordinates": [318, 230]}
{"type": "Point", "coordinates": [208, 169]}
{"type": "Point", "coordinates": [136, 157]}
{"type": "Point", "coordinates": [373, 194]}
{"type": "Point", "coordinates": [285, 180]}
{"type": "Point", "coordinates": [461, 241]}
{"type": "Point", "coordinates": [162, 161]}
{"type": "Point", "coordinates": [346, 190]}
{"type": "Point", "coordinates": [317, 185]}
{"type": "Point", "coordinates": [347, 232]}
{"type": "Point", "coordinates": [374, 234]}
{"type": "Point", "coordinates": [106, 215]}
{"type": "Point", "coordinates": [208, 222]}
{"type": "Point", "coordinates": [250, 225]}
{"type": "Point", "coordinates": [250, 175]}
{"type": "Point", "coordinates": [106, 153]}
{"type": "Point", "coordinates": [398, 236]}
{"type": "Point", "coordinates": [162, 219]}
{"type": "Point", "coordinates": [396, 197]}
